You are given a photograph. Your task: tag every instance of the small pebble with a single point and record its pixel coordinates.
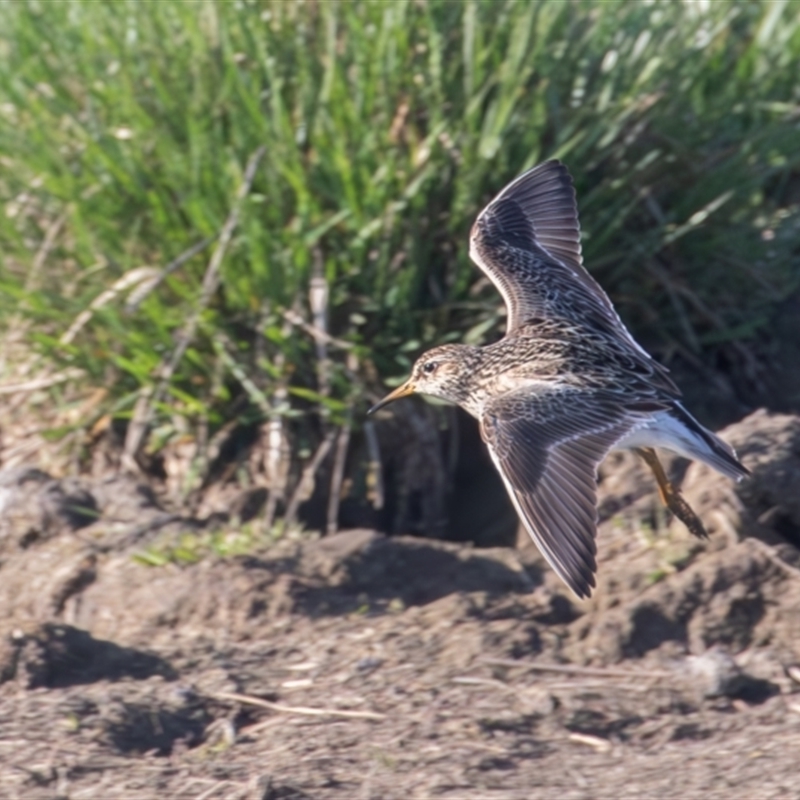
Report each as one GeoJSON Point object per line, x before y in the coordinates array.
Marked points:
{"type": "Point", "coordinates": [369, 664]}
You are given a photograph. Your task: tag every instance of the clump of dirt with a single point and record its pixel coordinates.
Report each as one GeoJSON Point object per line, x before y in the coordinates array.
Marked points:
{"type": "Point", "coordinates": [738, 588]}
{"type": "Point", "coordinates": [360, 665]}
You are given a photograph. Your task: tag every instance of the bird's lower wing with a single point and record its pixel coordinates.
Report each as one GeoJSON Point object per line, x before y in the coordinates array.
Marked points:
{"type": "Point", "coordinates": [547, 449]}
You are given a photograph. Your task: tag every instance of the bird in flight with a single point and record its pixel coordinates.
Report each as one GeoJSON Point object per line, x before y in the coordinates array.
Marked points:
{"type": "Point", "coordinates": [566, 384]}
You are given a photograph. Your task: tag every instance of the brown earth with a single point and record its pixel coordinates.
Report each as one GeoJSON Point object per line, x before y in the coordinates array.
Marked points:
{"type": "Point", "coordinates": [360, 666]}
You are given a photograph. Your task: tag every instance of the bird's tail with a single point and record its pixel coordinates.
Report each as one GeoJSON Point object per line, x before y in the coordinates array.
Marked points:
{"type": "Point", "coordinates": [708, 447]}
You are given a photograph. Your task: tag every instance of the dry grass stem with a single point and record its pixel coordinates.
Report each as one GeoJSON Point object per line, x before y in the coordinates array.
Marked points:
{"type": "Point", "coordinates": [318, 335]}
{"type": "Point", "coordinates": [598, 743]}
{"type": "Point", "coordinates": [302, 710]}
{"type": "Point", "coordinates": [70, 374]}
{"type": "Point", "coordinates": [337, 476]}
{"type": "Point", "coordinates": [305, 485]}
{"type": "Point", "coordinates": [140, 277]}
{"type": "Point", "coordinates": [375, 485]}
{"type": "Point", "coordinates": [137, 297]}
{"type": "Point", "coordinates": [44, 250]}
{"type": "Point", "coordinates": [152, 395]}
{"type": "Point", "coordinates": [574, 669]}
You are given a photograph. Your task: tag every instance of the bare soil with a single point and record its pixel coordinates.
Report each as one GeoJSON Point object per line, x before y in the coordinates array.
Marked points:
{"type": "Point", "coordinates": [361, 666]}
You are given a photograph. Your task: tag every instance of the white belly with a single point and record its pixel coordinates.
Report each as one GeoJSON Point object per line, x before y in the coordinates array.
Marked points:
{"type": "Point", "coordinates": [664, 430]}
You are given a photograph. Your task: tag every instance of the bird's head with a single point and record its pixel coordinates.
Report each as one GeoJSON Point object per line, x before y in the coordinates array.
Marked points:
{"type": "Point", "coordinates": [442, 372]}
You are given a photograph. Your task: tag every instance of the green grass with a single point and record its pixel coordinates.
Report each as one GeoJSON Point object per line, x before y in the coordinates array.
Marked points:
{"type": "Point", "coordinates": [191, 547]}
{"type": "Point", "coordinates": [125, 128]}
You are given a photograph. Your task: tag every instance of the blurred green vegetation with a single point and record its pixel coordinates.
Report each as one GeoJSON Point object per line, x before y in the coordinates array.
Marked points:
{"type": "Point", "coordinates": [191, 547]}
{"type": "Point", "coordinates": [125, 128]}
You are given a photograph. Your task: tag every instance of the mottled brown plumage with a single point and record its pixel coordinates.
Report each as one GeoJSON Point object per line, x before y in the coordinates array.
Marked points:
{"type": "Point", "coordinates": [566, 384]}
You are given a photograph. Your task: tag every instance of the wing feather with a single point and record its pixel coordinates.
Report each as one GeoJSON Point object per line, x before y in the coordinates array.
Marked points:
{"type": "Point", "coordinates": [532, 225]}
{"type": "Point", "coordinates": [547, 448]}
{"type": "Point", "coordinates": [527, 241]}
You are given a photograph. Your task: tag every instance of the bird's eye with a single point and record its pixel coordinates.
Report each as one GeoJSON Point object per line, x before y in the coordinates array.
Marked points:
{"type": "Point", "coordinates": [429, 367]}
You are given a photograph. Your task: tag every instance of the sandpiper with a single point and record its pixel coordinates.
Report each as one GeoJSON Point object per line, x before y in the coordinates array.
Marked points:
{"type": "Point", "coordinates": [566, 384]}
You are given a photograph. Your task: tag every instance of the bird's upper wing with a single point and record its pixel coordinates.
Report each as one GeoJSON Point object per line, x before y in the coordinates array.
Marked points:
{"type": "Point", "coordinates": [547, 446]}
{"type": "Point", "coordinates": [528, 241]}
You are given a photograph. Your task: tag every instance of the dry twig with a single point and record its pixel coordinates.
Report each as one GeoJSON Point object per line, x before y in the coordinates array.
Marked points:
{"type": "Point", "coordinates": [306, 711]}
{"type": "Point", "coordinates": [600, 744]}
{"type": "Point", "coordinates": [306, 483]}
{"type": "Point", "coordinates": [212, 790]}
{"type": "Point", "coordinates": [135, 300]}
{"type": "Point", "coordinates": [318, 299]}
{"type": "Point", "coordinates": [32, 280]}
{"type": "Point", "coordinates": [339, 460]}
{"type": "Point", "coordinates": [152, 395]}
{"type": "Point", "coordinates": [337, 476]}
{"type": "Point", "coordinates": [469, 680]}
{"type": "Point", "coordinates": [574, 669]}
{"type": "Point", "coordinates": [375, 487]}
{"type": "Point", "coordinates": [318, 335]}
{"type": "Point", "coordinates": [42, 383]}
{"type": "Point", "coordinates": [763, 548]}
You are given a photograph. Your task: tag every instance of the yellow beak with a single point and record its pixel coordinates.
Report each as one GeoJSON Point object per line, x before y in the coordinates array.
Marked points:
{"type": "Point", "coordinates": [401, 391]}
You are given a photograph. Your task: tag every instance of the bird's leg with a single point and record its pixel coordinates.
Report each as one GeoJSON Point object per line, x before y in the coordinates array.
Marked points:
{"type": "Point", "coordinates": [670, 496]}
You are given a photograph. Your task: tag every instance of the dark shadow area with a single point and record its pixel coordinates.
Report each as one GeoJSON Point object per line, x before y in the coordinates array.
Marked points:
{"type": "Point", "coordinates": [771, 494]}
{"type": "Point", "coordinates": [691, 731]}
{"type": "Point", "coordinates": [596, 723]}
{"type": "Point", "coordinates": [523, 725]}
{"type": "Point", "coordinates": [651, 628]}
{"type": "Point", "coordinates": [285, 792]}
{"type": "Point", "coordinates": [365, 570]}
{"type": "Point", "coordinates": [479, 509]}
{"type": "Point", "coordinates": [419, 573]}
{"type": "Point", "coordinates": [58, 655]}
{"type": "Point", "coordinates": [787, 529]}
{"type": "Point", "coordinates": [139, 728]}
{"type": "Point", "coordinates": [735, 629]}
{"type": "Point", "coordinates": [753, 691]}
{"type": "Point", "coordinates": [561, 611]}
{"type": "Point", "coordinates": [526, 745]}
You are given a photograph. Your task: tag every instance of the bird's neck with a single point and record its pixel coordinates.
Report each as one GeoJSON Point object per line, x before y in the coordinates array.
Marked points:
{"type": "Point", "coordinates": [470, 391]}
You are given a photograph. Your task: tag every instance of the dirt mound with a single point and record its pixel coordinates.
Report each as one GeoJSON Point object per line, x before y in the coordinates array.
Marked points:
{"type": "Point", "coordinates": [737, 589]}
{"type": "Point", "coordinates": [365, 666]}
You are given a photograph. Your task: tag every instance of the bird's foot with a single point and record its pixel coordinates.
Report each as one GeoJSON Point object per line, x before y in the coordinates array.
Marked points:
{"type": "Point", "coordinates": [671, 496]}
